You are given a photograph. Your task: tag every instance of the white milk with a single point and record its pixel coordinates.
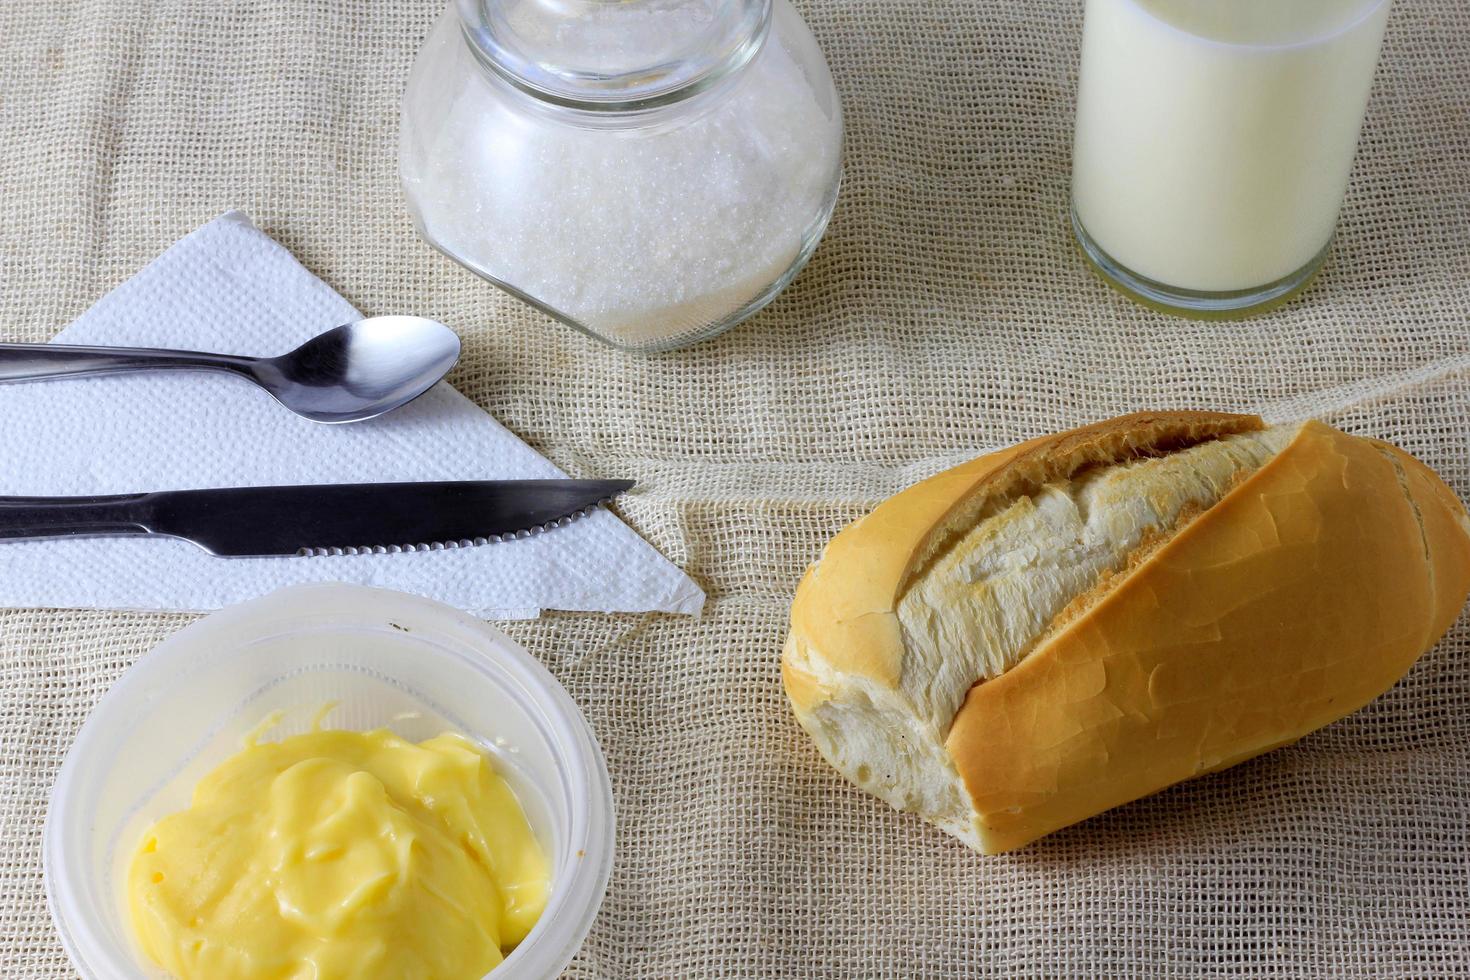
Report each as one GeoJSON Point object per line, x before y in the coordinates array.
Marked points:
{"type": "Point", "coordinates": [1215, 137]}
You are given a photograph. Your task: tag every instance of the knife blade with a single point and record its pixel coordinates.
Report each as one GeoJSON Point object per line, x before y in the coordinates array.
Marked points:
{"type": "Point", "coordinates": [332, 519]}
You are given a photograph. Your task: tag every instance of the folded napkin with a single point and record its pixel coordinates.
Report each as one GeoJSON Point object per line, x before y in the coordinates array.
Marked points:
{"type": "Point", "coordinates": [229, 288]}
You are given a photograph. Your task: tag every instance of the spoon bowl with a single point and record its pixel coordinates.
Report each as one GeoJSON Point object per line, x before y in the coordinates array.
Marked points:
{"type": "Point", "coordinates": [360, 370]}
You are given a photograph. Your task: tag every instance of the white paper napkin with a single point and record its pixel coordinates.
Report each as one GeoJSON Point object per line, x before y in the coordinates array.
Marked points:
{"type": "Point", "coordinates": [229, 288]}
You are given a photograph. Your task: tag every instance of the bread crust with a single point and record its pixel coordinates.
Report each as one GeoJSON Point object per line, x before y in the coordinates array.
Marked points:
{"type": "Point", "coordinates": [1306, 591]}
{"type": "Point", "coordinates": [845, 606]}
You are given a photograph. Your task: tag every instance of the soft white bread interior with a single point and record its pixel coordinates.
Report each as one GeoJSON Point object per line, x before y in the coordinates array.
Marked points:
{"type": "Point", "coordinates": [1049, 631]}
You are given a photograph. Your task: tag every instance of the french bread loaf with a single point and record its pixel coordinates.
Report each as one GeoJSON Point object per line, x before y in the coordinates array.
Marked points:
{"type": "Point", "coordinates": [1052, 630]}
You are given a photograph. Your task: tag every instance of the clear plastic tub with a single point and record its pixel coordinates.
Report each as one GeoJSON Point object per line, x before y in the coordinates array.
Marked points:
{"type": "Point", "coordinates": [388, 659]}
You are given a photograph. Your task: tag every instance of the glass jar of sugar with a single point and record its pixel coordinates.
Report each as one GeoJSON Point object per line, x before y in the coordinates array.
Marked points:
{"type": "Point", "coordinates": [651, 172]}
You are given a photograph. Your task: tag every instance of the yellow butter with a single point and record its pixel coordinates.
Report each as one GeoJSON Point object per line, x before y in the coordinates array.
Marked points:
{"type": "Point", "coordinates": [340, 854]}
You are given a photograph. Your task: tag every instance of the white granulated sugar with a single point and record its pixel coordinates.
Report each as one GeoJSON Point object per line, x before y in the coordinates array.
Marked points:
{"type": "Point", "coordinates": [640, 234]}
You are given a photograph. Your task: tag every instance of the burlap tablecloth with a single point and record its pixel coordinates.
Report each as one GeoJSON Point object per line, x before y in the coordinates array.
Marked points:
{"type": "Point", "coordinates": [946, 313]}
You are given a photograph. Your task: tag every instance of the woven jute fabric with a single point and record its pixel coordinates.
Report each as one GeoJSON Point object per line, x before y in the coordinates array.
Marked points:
{"type": "Point", "coordinates": [946, 313]}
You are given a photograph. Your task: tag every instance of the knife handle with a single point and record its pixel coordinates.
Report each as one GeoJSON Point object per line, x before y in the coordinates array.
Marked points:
{"type": "Point", "coordinates": [65, 517]}
{"type": "Point", "coordinates": [34, 362]}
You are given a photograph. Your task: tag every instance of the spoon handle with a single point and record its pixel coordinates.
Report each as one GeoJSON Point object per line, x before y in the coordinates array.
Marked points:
{"type": "Point", "coordinates": [34, 362]}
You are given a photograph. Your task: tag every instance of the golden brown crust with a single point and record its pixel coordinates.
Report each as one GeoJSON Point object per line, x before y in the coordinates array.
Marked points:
{"type": "Point", "coordinates": [844, 611]}
{"type": "Point", "coordinates": [1303, 594]}
{"type": "Point", "coordinates": [1446, 532]}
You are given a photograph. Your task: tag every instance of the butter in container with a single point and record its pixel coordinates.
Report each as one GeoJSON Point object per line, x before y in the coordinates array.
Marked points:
{"type": "Point", "coordinates": [389, 661]}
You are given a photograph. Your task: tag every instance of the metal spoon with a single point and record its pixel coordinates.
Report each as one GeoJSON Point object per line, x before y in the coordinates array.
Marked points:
{"type": "Point", "coordinates": [353, 372]}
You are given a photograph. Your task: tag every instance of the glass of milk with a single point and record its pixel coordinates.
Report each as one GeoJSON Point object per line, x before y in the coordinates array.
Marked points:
{"type": "Point", "coordinates": [1214, 142]}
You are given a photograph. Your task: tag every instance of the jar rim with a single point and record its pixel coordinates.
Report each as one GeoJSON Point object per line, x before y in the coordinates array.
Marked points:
{"type": "Point", "coordinates": [736, 32]}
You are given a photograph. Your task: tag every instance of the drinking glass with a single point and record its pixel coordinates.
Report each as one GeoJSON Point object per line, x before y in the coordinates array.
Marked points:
{"type": "Point", "coordinates": [1214, 142]}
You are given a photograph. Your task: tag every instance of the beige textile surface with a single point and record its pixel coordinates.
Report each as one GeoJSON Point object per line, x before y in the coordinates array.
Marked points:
{"type": "Point", "coordinates": [946, 313]}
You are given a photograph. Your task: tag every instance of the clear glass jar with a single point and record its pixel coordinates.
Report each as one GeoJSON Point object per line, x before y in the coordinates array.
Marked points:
{"type": "Point", "coordinates": [651, 172]}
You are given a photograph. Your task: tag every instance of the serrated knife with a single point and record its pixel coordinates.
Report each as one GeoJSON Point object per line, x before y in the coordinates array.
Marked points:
{"type": "Point", "coordinates": [332, 519]}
